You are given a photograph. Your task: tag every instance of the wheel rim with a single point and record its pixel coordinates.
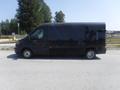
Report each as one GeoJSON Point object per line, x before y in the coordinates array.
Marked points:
{"type": "Point", "coordinates": [90, 54]}
{"type": "Point", "coordinates": [27, 54]}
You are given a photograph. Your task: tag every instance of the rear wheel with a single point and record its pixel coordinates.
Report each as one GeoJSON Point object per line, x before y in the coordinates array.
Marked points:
{"type": "Point", "coordinates": [27, 53]}
{"type": "Point", "coordinates": [90, 54]}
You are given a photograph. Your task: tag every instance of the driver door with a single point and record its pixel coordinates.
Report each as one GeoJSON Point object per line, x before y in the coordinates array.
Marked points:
{"type": "Point", "coordinates": [39, 41]}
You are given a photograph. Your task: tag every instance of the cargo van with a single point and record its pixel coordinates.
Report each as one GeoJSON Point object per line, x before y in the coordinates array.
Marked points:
{"type": "Point", "coordinates": [64, 39]}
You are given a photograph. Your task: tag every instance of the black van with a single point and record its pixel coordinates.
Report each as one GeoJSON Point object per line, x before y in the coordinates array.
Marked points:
{"type": "Point", "coordinates": [66, 38]}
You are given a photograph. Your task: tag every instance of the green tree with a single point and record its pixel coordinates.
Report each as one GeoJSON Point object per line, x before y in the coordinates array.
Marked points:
{"type": "Point", "coordinates": [13, 26]}
{"type": "Point", "coordinates": [8, 27]}
{"type": "Point", "coordinates": [46, 13]}
{"type": "Point", "coordinates": [32, 13]}
{"type": "Point", "coordinates": [0, 29]}
{"type": "Point", "coordinates": [5, 27]}
{"type": "Point", "coordinates": [59, 17]}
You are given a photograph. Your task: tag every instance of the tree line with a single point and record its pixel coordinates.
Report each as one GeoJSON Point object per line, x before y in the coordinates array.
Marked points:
{"type": "Point", "coordinates": [30, 14]}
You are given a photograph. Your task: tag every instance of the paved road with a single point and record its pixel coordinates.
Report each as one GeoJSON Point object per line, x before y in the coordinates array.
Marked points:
{"type": "Point", "coordinates": [60, 73]}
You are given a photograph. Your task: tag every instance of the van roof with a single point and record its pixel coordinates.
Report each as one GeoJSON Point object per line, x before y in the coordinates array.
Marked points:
{"type": "Point", "coordinates": [81, 23]}
{"type": "Point", "coordinates": [96, 26]}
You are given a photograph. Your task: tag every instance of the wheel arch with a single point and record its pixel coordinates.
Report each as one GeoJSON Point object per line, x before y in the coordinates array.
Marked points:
{"type": "Point", "coordinates": [26, 48]}
{"type": "Point", "coordinates": [90, 48]}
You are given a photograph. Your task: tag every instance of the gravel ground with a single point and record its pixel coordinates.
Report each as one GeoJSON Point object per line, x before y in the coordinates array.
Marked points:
{"type": "Point", "coordinates": [60, 73]}
{"type": "Point", "coordinates": [9, 46]}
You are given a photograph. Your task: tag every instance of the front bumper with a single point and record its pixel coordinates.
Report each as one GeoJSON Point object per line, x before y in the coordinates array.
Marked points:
{"type": "Point", "coordinates": [17, 50]}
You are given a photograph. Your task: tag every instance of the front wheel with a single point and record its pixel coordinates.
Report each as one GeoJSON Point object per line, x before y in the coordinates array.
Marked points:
{"type": "Point", "coordinates": [27, 53]}
{"type": "Point", "coordinates": [90, 54]}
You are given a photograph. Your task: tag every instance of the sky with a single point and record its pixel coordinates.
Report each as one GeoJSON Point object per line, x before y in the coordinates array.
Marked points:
{"type": "Point", "coordinates": [107, 11]}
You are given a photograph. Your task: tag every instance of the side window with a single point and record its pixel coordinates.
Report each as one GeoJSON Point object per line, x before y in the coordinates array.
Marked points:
{"type": "Point", "coordinates": [38, 34]}
{"type": "Point", "coordinates": [77, 33]}
{"type": "Point", "coordinates": [66, 33]}
{"type": "Point", "coordinates": [52, 34]}
{"type": "Point", "coordinates": [100, 35]}
{"type": "Point", "coordinates": [90, 35]}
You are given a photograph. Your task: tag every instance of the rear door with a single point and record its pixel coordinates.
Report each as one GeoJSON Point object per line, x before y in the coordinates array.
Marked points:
{"type": "Point", "coordinates": [101, 37]}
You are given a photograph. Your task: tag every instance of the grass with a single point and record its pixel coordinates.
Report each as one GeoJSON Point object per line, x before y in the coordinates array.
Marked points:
{"type": "Point", "coordinates": [113, 40]}
{"type": "Point", "coordinates": [115, 45]}
{"type": "Point", "coordinates": [7, 39]}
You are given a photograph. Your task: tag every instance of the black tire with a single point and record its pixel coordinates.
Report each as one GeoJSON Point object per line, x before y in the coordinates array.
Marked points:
{"type": "Point", "coordinates": [90, 54]}
{"type": "Point", "coordinates": [26, 53]}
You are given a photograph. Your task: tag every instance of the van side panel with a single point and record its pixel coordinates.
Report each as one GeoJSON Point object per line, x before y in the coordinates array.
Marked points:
{"type": "Point", "coordinates": [75, 38]}
{"type": "Point", "coordinates": [66, 40]}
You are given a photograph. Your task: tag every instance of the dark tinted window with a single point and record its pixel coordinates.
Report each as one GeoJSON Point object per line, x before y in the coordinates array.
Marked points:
{"type": "Point", "coordinates": [65, 33]}
{"type": "Point", "coordinates": [52, 33]}
{"type": "Point", "coordinates": [78, 33]}
{"type": "Point", "coordinates": [90, 35]}
{"type": "Point", "coordinates": [100, 35]}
